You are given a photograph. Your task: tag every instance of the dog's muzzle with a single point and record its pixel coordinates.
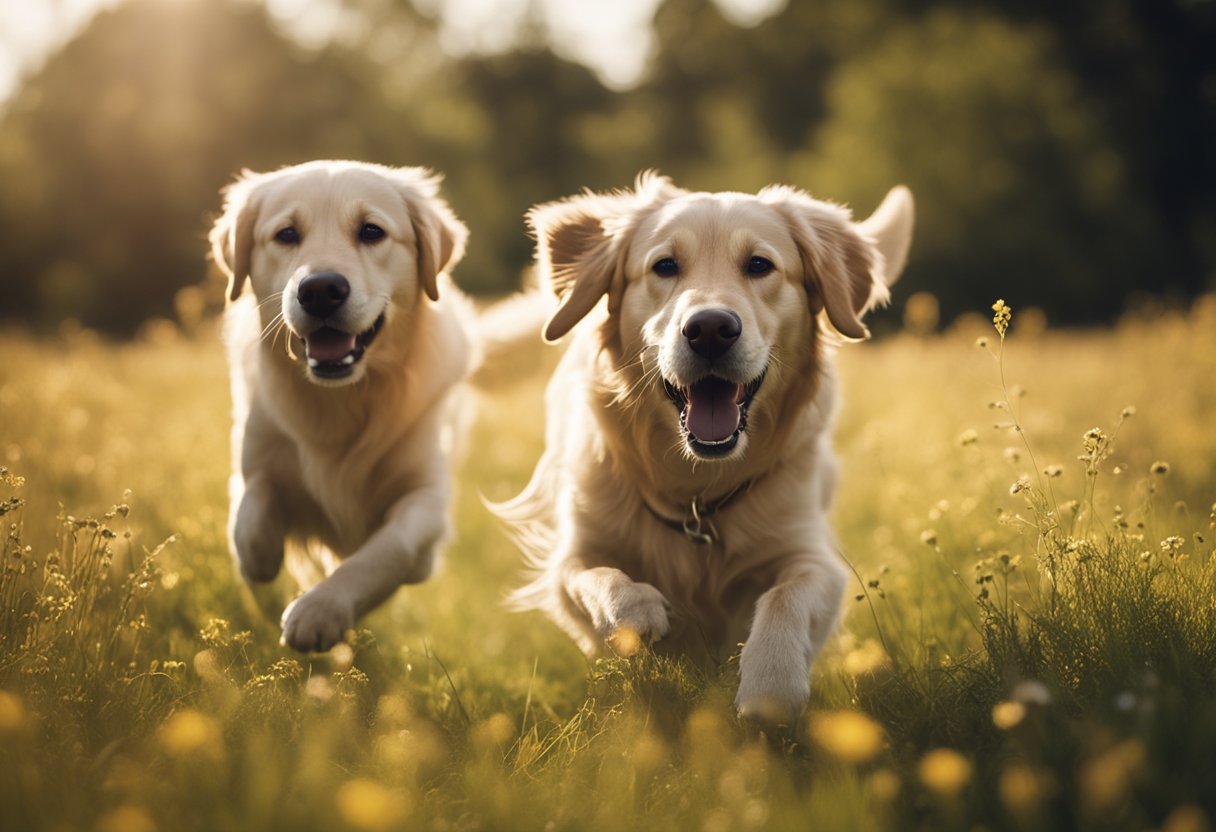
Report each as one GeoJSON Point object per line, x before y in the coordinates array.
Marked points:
{"type": "Point", "coordinates": [713, 409]}
{"type": "Point", "coordinates": [331, 351]}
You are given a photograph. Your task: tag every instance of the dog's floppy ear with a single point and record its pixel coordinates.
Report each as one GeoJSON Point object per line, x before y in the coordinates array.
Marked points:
{"type": "Point", "coordinates": [581, 245]}
{"type": "Point", "coordinates": [439, 236]}
{"type": "Point", "coordinates": [232, 235]}
{"type": "Point", "coordinates": [842, 267]}
{"type": "Point", "coordinates": [576, 259]}
{"type": "Point", "coordinates": [890, 228]}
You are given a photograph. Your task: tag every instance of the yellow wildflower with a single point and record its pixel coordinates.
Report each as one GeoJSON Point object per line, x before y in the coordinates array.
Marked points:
{"type": "Point", "coordinates": [1001, 317]}
{"type": "Point", "coordinates": [189, 733]}
{"type": "Point", "coordinates": [1006, 715]}
{"type": "Point", "coordinates": [945, 771]}
{"type": "Point", "coordinates": [867, 658]}
{"type": "Point", "coordinates": [1106, 779]}
{"type": "Point", "coordinates": [126, 818]}
{"type": "Point", "coordinates": [494, 732]}
{"type": "Point", "coordinates": [850, 736]}
{"type": "Point", "coordinates": [1023, 789]}
{"type": "Point", "coordinates": [1186, 818]}
{"type": "Point", "coordinates": [366, 804]}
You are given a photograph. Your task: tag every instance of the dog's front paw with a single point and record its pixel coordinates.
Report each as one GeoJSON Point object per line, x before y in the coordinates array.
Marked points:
{"type": "Point", "coordinates": [640, 618]}
{"type": "Point", "coordinates": [773, 689]}
{"type": "Point", "coordinates": [256, 539]}
{"type": "Point", "coordinates": [626, 614]}
{"type": "Point", "coordinates": [317, 620]}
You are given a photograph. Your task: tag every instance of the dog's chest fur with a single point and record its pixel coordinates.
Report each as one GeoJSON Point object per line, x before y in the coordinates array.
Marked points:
{"type": "Point", "coordinates": [712, 586]}
{"type": "Point", "coordinates": [339, 458]}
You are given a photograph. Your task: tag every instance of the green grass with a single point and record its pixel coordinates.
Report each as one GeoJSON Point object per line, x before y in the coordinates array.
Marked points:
{"type": "Point", "coordinates": [1044, 659]}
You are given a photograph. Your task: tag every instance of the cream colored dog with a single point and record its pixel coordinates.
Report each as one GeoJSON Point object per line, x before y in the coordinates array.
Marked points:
{"type": "Point", "coordinates": [683, 494]}
{"type": "Point", "coordinates": [343, 359]}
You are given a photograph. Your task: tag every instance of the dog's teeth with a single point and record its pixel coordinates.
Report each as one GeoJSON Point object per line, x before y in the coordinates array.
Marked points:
{"type": "Point", "coordinates": [312, 362]}
{"type": "Point", "coordinates": [350, 359]}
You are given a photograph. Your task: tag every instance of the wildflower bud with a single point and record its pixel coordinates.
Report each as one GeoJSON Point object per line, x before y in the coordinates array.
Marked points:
{"type": "Point", "coordinates": [1001, 317]}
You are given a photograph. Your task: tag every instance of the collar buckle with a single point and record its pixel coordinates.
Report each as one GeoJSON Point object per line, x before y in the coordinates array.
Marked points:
{"type": "Point", "coordinates": [698, 526]}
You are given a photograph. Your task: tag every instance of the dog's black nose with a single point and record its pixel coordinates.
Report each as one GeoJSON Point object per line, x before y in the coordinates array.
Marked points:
{"type": "Point", "coordinates": [711, 332]}
{"type": "Point", "coordinates": [322, 293]}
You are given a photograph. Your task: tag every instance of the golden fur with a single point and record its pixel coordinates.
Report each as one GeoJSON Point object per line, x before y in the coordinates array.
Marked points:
{"type": "Point", "coordinates": [354, 468]}
{"type": "Point", "coordinates": [619, 469]}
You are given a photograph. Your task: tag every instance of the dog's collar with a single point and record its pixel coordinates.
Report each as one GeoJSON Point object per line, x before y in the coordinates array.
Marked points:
{"type": "Point", "coordinates": [697, 524]}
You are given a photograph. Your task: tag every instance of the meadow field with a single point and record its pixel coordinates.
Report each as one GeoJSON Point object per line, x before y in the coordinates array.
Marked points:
{"type": "Point", "coordinates": [1030, 642]}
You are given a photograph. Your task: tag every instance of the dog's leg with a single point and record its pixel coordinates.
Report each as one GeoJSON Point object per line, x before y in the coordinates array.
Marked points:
{"type": "Point", "coordinates": [256, 530]}
{"type": "Point", "coordinates": [623, 613]}
{"type": "Point", "coordinates": [792, 622]}
{"type": "Point", "coordinates": [401, 551]}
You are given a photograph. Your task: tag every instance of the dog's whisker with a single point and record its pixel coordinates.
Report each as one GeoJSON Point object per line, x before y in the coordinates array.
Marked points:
{"type": "Point", "coordinates": [271, 333]}
{"type": "Point", "coordinates": [274, 340]}
{"type": "Point", "coordinates": [274, 323]}
{"type": "Point", "coordinates": [286, 333]}
{"type": "Point", "coordinates": [269, 299]}
{"type": "Point", "coordinates": [631, 392]}
{"type": "Point", "coordinates": [272, 330]}
{"type": "Point", "coordinates": [281, 328]}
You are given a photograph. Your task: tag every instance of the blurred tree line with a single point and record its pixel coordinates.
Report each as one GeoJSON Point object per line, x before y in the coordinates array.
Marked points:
{"type": "Point", "coordinates": [1063, 154]}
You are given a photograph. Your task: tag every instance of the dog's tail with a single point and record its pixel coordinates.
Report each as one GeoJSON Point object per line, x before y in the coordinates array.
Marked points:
{"type": "Point", "coordinates": [890, 227]}
{"type": "Point", "coordinates": [508, 334]}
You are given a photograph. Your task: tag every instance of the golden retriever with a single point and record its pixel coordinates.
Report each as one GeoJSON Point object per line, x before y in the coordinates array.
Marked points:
{"type": "Point", "coordinates": [343, 360]}
{"type": "Point", "coordinates": [683, 494]}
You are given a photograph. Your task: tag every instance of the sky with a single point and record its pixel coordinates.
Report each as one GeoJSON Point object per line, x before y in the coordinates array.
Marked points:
{"type": "Point", "coordinates": [611, 36]}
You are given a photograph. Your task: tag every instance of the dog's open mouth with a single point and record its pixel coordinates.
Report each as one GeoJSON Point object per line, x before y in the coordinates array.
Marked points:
{"type": "Point", "coordinates": [713, 412]}
{"type": "Point", "coordinates": [333, 353]}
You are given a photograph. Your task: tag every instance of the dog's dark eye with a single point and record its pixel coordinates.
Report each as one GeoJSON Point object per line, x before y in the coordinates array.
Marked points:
{"type": "Point", "coordinates": [667, 267]}
{"type": "Point", "coordinates": [287, 236]}
{"type": "Point", "coordinates": [759, 266]}
{"type": "Point", "coordinates": [370, 233]}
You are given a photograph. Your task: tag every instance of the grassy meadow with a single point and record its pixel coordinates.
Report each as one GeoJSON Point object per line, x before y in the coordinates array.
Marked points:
{"type": "Point", "coordinates": [1030, 642]}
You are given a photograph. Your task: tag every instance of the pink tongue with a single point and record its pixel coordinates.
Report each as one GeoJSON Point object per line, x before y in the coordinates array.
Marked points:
{"type": "Point", "coordinates": [328, 344]}
{"type": "Point", "coordinates": [713, 410]}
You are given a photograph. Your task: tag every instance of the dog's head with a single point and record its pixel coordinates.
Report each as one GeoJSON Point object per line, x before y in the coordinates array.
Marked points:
{"type": "Point", "coordinates": [714, 299]}
{"type": "Point", "coordinates": [335, 251]}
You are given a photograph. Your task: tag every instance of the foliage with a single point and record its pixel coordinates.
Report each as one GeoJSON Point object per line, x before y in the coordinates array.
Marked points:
{"type": "Point", "coordinates": [1063, 150]}
{"type": "Point", "coordinates": [1031, 644]}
